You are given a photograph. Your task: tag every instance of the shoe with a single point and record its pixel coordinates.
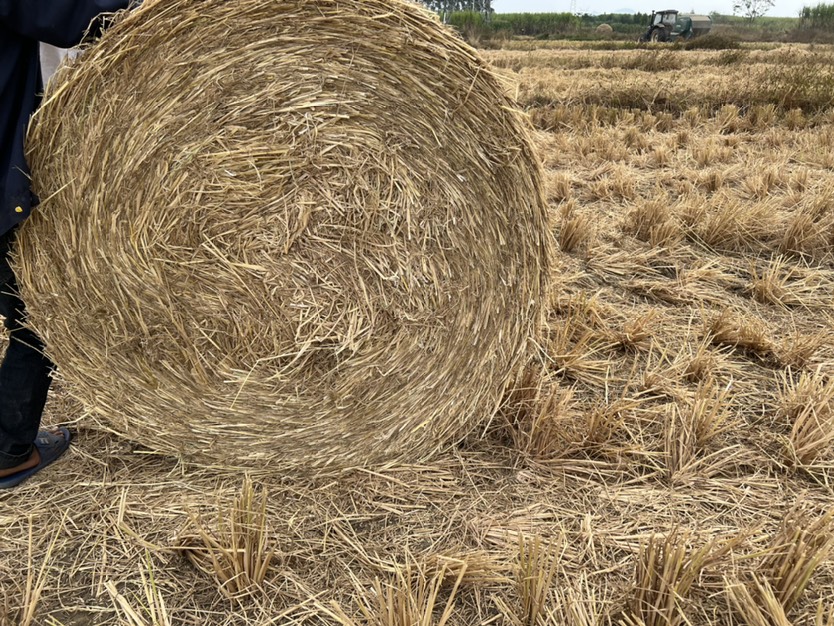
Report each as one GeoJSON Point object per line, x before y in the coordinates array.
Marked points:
{"type": "Point", "coordinates": [50, 445]}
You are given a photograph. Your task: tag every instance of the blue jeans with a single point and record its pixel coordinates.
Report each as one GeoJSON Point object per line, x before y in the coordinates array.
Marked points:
{"type": "Point", "coordinates": [25, 372]}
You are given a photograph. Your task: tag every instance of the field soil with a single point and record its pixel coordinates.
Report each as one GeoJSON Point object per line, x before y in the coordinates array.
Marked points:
{"type": "Point", "coordinates": [665, 459]}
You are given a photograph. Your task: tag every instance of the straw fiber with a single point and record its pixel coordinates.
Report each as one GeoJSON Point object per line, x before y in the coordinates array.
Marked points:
{"type": "Point", "coordinates": [284, 233]}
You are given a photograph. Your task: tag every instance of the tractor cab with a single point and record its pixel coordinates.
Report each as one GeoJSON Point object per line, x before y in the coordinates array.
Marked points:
{"type": "Point", "coordinates": [664, 18]}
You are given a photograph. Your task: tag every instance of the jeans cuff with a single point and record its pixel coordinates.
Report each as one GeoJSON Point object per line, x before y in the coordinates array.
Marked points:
{"type": "Point", "coordinates": [11, 460]}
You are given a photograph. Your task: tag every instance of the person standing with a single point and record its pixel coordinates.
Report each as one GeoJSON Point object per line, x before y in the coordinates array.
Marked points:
{"type": "Point", "coordinates": [25, 372]}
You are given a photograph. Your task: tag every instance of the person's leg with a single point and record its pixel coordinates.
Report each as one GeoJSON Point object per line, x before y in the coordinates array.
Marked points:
{"type": "Point", "coordinates": [24, 379]}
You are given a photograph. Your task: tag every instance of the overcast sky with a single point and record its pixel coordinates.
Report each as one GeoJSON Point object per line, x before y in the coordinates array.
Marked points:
{"type": "Point", "coordinates": [785, 8]}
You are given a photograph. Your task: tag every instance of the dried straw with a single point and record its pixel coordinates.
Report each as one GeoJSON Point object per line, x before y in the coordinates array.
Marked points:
{"type": "Point", "coordinates": [284, 233]}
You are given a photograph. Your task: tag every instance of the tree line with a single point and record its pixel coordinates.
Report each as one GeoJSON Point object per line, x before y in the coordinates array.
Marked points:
{"type": "Point", "coordinates": [820, 16]}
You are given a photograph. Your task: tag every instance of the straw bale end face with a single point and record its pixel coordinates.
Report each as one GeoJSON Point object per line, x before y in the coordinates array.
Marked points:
{"type": "Point", "coordinates": [284, 233]}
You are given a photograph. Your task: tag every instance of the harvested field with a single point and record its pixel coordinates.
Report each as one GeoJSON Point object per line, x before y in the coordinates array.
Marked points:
{"type": "Point", "coordinates": [666, 461]}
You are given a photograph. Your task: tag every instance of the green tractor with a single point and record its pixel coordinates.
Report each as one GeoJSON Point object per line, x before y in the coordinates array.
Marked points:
{"type": "Point", "coordinates": [670, 25]}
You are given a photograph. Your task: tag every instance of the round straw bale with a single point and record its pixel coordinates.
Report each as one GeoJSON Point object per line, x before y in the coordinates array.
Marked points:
{"type": "Point", "coordinates": [292, 233]}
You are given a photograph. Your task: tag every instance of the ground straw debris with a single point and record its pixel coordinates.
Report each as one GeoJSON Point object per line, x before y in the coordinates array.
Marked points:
{"type": "Point", "coordinates": [236, 552]}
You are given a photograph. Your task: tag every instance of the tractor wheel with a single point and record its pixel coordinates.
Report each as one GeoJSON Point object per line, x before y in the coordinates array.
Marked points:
{"type": "Point", "coordinates": [656, 36]}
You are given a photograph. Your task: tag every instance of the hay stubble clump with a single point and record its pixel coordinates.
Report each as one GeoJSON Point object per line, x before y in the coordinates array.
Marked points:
{"type": "Point", "coordinates": [284, 233]}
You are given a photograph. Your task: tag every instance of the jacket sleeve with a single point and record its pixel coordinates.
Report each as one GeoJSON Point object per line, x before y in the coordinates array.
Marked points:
{"type": "Point", "coordinates": [61, 23]}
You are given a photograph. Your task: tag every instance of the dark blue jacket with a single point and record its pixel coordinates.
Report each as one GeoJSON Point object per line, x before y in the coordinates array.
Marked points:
{"type": "Point", "coordinates": [24, 23]}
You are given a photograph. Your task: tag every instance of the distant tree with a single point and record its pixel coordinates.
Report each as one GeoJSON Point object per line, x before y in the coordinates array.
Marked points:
{"type": "Point", "coordinates": [444, 8]}
{"type": "Point", "coordinates": [751, 9]}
